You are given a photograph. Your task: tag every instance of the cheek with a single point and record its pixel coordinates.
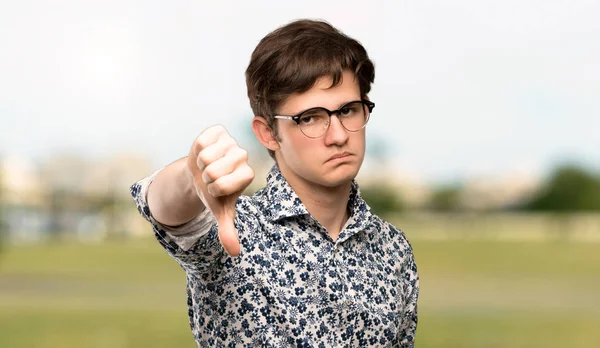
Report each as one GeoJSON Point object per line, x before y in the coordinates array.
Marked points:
{"type": "Point", "coordinates": [297, 145]}
{"type": "Point", "coordinates": [363, 141]}
{"type": "Point", "coordinates": [357, 141]}
{"type": "Point", "coordinates": [304, 148]}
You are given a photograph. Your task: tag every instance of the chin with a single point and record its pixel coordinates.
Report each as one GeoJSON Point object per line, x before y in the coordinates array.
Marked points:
{"type": "Point", "coordinates": [340, 175]}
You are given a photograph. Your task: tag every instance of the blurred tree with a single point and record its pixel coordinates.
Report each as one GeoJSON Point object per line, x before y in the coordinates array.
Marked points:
{"type": "Point", "coordinates": [569, 189]}
{"type": "Point", "coordinates": [3, 229]}
{"type": "Point", "coordinates": [382, 199]}
{"type": "Point", "coordinates": [58, 202]}
{"type": "Point", "coordinates": [445, 199]}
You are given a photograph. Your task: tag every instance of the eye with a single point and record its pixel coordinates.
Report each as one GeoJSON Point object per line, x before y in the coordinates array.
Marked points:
{"type": "Point", "coordinates": [312, 116]}
{"type": "Point", "coordinates": [351, 109]}
{"type": "Point", "coordinates": [346, 111]}
{"type": "Point", "coordinates": [306, 119]}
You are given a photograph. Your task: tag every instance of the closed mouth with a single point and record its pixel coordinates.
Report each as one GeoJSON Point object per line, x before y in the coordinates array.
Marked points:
{"type": "Point", "coordinates": [340, 155]}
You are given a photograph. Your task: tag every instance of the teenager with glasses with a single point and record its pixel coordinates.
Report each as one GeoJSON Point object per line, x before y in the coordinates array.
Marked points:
{"type": "Point", "coordinates": [304, 261]}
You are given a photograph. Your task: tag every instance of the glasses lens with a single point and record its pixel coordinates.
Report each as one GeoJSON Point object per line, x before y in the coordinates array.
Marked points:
{"type": "Point", "coordinates": [314, 122]}
{"type": "Point", "coordinates": [354, 116]}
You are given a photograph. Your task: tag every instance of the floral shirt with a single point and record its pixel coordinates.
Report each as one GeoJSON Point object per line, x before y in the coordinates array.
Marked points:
{"type": "Point", "coordinates": [291, 284]}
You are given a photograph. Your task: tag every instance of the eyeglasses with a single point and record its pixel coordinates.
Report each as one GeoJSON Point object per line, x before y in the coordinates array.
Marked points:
{"type": "Point", "coordinates": [315, 122]}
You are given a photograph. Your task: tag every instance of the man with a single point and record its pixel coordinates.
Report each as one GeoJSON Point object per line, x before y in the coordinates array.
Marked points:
{"type": "Point", "coordinates": [303, 262]}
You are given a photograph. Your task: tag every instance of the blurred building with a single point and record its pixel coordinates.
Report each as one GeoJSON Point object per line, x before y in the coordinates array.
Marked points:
{"type": "Point", "coordinates": [498, 192]}
{"type": "Point", "coordinates": [70, 196]}
{"type": "Point", "coordinates": [413, 192]}
{"type": "Point", "coordinates": [22, 198]}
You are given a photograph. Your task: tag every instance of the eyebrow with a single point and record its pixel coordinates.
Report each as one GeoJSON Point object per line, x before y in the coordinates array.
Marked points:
{"type": "Point", "coordinates": [322, 107]}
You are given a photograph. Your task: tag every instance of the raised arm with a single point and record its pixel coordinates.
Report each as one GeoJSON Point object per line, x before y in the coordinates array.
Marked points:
{"type": "Point", "coordinates": [212, 176]}
{"type": "Point", "coordinates": [172, 196]}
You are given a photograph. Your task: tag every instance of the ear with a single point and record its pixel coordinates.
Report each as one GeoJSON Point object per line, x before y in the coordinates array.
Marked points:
{"type": "Point", "coordinates": [264, 133]}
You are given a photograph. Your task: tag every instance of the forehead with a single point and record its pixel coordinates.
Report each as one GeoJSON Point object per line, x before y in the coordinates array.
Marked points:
{"type": "Point", "coordinates": [323, 94]}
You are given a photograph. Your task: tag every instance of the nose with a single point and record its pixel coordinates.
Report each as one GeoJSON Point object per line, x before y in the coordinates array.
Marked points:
{"type": "Point", "coordinates": [336, 134]}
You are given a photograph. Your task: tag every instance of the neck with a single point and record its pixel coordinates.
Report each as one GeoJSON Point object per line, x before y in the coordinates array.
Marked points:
{"type": "Point", "coordinates": [328, 205]}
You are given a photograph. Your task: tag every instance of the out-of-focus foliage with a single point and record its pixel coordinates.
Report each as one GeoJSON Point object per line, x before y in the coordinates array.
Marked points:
{"type": "Point", "coordinates": [445, 199]}
{"type": "Point", "coordinates": [2, 223]}
{"type": "Point", "coordinates": [382, 199]}
{"type": "Point", "coordinates": [570, 188]}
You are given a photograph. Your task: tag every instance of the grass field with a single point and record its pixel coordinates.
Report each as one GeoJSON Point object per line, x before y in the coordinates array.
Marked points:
{"type": "Point", "coordinates": [473, 294]}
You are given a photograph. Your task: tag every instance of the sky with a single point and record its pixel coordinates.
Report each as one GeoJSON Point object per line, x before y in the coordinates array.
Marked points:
{"type": "Point", "coordinates": [462, 87]}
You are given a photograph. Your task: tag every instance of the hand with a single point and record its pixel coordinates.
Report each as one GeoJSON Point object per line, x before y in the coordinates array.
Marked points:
{"type": "Point", "coordinates": [220, 170]}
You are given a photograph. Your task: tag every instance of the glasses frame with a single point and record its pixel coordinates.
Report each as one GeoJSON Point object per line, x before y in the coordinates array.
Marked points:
{"type": "Point", "coordinates": [296, 118]}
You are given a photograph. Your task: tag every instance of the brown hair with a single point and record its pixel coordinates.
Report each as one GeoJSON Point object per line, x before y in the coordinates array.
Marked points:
{"type": "Point", "coordinates": [290, 59]}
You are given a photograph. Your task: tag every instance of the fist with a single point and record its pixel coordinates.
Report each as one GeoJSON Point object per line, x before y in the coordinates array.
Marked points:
{"type": "Point", "coordinates": [220, 170]}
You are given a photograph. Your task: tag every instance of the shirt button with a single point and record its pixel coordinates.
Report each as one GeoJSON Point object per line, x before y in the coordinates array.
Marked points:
{"type": "Point", "coordinates": [348, 303]}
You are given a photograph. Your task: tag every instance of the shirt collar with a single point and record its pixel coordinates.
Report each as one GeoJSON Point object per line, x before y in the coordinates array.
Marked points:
{"type": "Point", "coordinates": [281, 201]}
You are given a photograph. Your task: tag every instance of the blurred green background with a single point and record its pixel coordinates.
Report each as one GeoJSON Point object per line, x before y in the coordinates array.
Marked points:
{"type": "Point", "coordinates": [80, 268]}
{"type": "Point", "coordinates": [475, 292]}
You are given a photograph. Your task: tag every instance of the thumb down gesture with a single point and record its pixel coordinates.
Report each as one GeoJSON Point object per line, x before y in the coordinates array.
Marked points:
{"type": "Point", "coordinates": [220, 170]}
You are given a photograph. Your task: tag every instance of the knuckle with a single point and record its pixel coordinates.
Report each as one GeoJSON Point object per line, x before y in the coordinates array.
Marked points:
{"type": "Point", "coordinates": [218, 128]}
{"type": "Point", "coordinates": [228, 149]}
{"type": "Point", "coordinates": [214, 130]}
{"type": "Point", "coordinates": [238, 153]}
{"type": "Point", "coordinates": [210, 173]}
{"type": "Point", "coordinates": [225, 137]}
{"type": "Point", "coordinates": [201, 142]}
{"type": "Point", "coordinates": [202, 159]}
{"type": "Point", "coordinates": [220, 187]}
{"type": "Point", "coordinates": [213, 190]}
{"type": "Point", "coordinates": [249, 173]}
{"type": "Point", "coordinates": [229, 143]}
{"type": "Point", "coordinates": [210, 136]}
{"type": "Point", "coordinates": [221, 133]}
{"type": "Point", "coordinates": [243, 154]}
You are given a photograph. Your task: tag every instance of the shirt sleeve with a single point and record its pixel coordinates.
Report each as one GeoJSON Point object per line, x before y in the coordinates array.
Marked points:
{"type": "Point", "coordinates": [409, 314]}
{"type": "Point", "coordinates": [194, 245]}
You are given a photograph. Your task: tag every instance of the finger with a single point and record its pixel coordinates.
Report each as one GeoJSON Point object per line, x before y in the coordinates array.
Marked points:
{"type": "Point", "coordinates": [237, 181]}
{"type": "Point", "coordinates": [215, 152]}
{"type": "Point", "coordinates": [225, 165]}
{"type": "Point", "coordinates": [207, 138]}
{"type": "Point", "coordinates": [228, 234]}
{"type": "Point", "coordinates": [210, 136]}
